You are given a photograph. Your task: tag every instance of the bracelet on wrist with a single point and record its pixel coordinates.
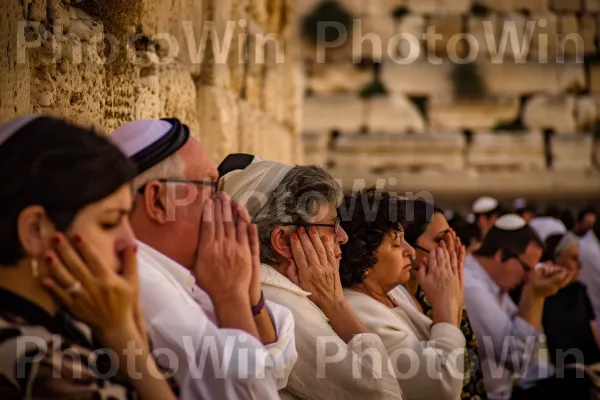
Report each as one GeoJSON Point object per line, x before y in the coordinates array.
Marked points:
{"type": "Point", "coordinates": [257, 309]}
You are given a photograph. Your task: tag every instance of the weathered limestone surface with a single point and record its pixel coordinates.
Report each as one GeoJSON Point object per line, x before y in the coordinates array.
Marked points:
{"type": "Point", "coordinates": [339, 78]}
{"type": "Point", "coordinates": [328, 113]}
{"type": "Point", "coordinates": [550, 112]}
{"type": "Point", "coordinates": [418, 78]}
{"type": "Point", "coordinates": [158, 62]}
{"type": "Point", "coordinates": [513, 151]}
{"type": "Point", "coordinates": [473, 115]}
{"type": "Point", "coordinates": [393, 114]}
{"type": "Point", "coordinates": [439, 151]}
{"type": "Point", "coordinates": [572, 153]}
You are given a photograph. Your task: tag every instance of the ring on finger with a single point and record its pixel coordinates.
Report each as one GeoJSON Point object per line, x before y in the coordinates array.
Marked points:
{"type": "Point", "coordinates": [74, 288]}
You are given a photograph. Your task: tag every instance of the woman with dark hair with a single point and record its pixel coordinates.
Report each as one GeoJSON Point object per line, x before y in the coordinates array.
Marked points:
{"type": "Point", "coordinates": [426, 229]}
{"type": "Point", "coordinates": [70, 321]}
{"type": "Point", "coordinates": [568, 319]}
{"type": "Point", "coordinates": [374, 262]}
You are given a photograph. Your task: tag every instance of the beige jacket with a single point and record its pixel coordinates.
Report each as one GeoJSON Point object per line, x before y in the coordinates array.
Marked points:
{"type": "Point", "coordinates": [328, 368]}
{"type": "Point", "coordinates": [428, 360]}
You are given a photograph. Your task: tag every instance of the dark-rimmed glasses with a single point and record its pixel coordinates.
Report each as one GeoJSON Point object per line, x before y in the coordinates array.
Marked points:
{"type": "Point", "coordinates": [335, 225]}
{"type": "Point", "coordinates": [212, 184]}
{"type": "Point", "coordinates": [525, 267]}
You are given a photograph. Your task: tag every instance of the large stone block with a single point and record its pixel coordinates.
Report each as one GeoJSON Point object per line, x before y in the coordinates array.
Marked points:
{"type": "Point", "coordinates": [473, 115]}
{"type": "Point", "coordinates": [177, 95]}
{"type": "Point", "coordinates": [275, 82]}
{"type": "Point", "coordinates": [484, 31]}
{"type": "Point", "coordinates": [315, 148]}
{"type": "Point", "coordinates": [420, 78]}
{"type": "Point", "coordinates": [588, 27]}
{"type": "Point", "coordinates": [380, 152]}
{"type": "Point", "coordinates": [572, 43]}
{"type": "Point", "coordinates": [372, 37]}
{"type": "Point", "coordinates": [219, 119]}
{"type": "Point", "coordinates": [441, 41]}
{"type": "Point", "coordinates": [544, 39]}
{"type": "Point", "coordinates": [393, 114]}
{"type": "Point", "coordinates": [254, 85]}
{"type": "Point", "coordinates": [293, 96]}
{"type": "Point", "coordinates": [556, 113]}
{"type": "Point", "coordinates": [514, 151]}
{"type": "Point", "coordinates": [587, 113]}
{"type": "Point", "coordinates": [439, 6]}
{"type": "Point", "coordinates": [533, 6]}
{"type": "Point", "coordinates": [249, 128]}
{"type": "Point", "coordinates": [15, 88]}
{"type": "Point", "coordinates": [328, 113]}
{"type": "Point", "coordinates": [531, 78]}
{"type": "Point", "coordinates": [566, 5]}
{"type": "Point", "coordinates": [325, 79]}
{"type": "Point", "coordinates": [592, 6]}
{"type": "Point", "coordinates": [594, 73]}
{"type": "Point", "coordinates": [572, 153]}
{"type": "Point", "coordinates": [382, 7]}
{"type": "Point", "coordinates": [412, 27]}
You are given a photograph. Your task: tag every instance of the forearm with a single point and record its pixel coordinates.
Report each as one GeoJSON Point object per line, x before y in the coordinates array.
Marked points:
{"type": "Point", "coordinates": [136, 363]}
{"type": "Point", "coordinates": [235, 313]}
{"type": "Point", "coordinates": [445, 313]}
{"type": "Point", "coordinates": [266, 327]}
{"type": "Point", "coordinates": [343, 320]}
{"type": "Point", "coordinates": [531, 308]}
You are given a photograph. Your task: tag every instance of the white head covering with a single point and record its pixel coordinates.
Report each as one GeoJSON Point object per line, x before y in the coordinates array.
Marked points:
{"type": "Point", "coordinates": [257, 181]}
{"type": "Point", "coordinates": [484, 205]}
{"type": "Point", "coordinates": [8, 129]}
{"type": "Point", "coordinates": [547, 226]}
{"type": "Point", "coordinates": [510, 222]}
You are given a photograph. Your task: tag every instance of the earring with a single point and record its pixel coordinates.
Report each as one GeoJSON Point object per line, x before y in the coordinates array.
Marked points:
{"type": "Point", "coordinates": [35, 271]}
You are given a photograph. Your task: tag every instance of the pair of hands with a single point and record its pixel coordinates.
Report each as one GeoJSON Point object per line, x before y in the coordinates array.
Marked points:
{"type": "Point", "coordinates": [106, 301]}
{"type": "Point", "coordinates": [228, 258]}
{"type": "Point", "coordinates": [315, 267]}
{"type": "Point", "coordinates": [441, 276]}
{"type": "Point", "coordinates": [548, 279]}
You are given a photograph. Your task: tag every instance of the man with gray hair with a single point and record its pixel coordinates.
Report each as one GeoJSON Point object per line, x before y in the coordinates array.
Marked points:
{"type": "Point", "coordinates": [295, 209]}
{"type": "Point", "coordinates": [200, 272]}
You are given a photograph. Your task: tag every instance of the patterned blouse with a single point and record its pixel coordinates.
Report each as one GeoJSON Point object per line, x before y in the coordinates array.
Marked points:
{"type": "Point", "coordinates": [473, 387]}
{"type": "Point", "coordinates": [52, 357]}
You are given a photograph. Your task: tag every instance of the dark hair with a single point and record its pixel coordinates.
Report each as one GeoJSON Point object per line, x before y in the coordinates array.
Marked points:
{"type": "Point", "coordinates": [467, 233]}
{"type": "Point", "coordinates": [419, 213]}
{"type": "Point", "coordinates": [566, 216]}
{"type": "Point", "coordinates": [585, 211]}
{"type": "Point", "coordinates": [59, 166]}
{"type": "Point", "coordinates": [373, 214]}
{"type": "Point", "coordinates": [511, 243]}
{"type": "Point", "coordinates": [551, 244]}
{"type": "Point", "coordinates": [596, 228]}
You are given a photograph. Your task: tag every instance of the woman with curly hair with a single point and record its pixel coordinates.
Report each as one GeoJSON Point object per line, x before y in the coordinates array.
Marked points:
{"type": "Point", "coordinates": [427, 354]}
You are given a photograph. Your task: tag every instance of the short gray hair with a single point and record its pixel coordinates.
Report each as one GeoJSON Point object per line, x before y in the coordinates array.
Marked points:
{"type": "Point", "coordinates": [169, 168]}
{"type": "Point", "coordinates": [298, 198]}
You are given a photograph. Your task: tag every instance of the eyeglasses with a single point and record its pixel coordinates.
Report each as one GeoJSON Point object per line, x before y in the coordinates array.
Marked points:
{"type": "Point", "coordinates": [335, 225]}
{"type": "Point", "coordinates": [213, 184]}
{"type": "Point", "coordinates": [525, 267]}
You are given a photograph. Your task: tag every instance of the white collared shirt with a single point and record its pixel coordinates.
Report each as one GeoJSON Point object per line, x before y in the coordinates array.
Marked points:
{"type": "Point", "coordinates": [213, 363]}
{"type": "Point", "coordinates": [327, 367]}
{"type": "Point", "coordinates": [589, 254]}
{"type": "Point", "coordinates": [506, 341]}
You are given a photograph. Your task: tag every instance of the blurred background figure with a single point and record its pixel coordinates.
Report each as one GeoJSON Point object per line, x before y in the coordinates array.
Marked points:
{"type": "Point", "coordinates": [524, 209]}
{"type": "Point", "coordinates": [586, 218]}
{"type": "Point", "coordinates": [486, 210]}
{"type": "Point", "coordinates": [569, 320]}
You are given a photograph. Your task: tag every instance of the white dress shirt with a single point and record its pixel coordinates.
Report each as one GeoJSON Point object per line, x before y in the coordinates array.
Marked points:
{"type": "Point", "coordinates": [329, 368]}
{"type": "Point", "coordinates": [589, 254]}
{"type": "Point", "coordinates": [507, 342]}
{"type": "Point", "coordinates": [209, 362]}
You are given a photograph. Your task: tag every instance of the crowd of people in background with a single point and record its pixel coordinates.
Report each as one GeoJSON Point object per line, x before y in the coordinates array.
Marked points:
{"type": "Point", "coordinates": [133, 267]}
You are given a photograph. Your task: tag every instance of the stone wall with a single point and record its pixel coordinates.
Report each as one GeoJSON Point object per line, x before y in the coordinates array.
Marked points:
{"type": "Point", "coordinates": [103, 63]}
{"type": "Point", "coordinates": [456, 106]}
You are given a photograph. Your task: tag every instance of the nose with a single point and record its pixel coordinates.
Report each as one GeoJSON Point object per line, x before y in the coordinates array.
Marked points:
{"type": "Point", "coordinates": [409, 250]}
{"type": "Point", "coordinates": [127, 236]}
{"type": "Point", "coordinates": [341, 236]}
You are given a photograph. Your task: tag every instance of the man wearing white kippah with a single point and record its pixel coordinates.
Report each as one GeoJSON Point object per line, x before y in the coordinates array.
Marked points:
{"type": "Point", "coordinates": [486, 210]}
{"type": "Point", "coordinates": [509, 334]}
{"type": "Point", "coordinates": [590, 262]}
{"type": "Point", "coordinates": [200, 272]}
